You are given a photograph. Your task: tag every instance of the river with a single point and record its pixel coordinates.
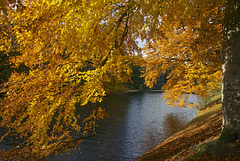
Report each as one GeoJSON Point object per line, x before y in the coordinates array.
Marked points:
{"type": "Point", "coordinates": [137, 123]}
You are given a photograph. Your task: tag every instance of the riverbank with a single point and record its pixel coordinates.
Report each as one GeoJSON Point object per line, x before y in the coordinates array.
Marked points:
{"type": "Point", "coordinates": [124, 90]}
{"type": "Point", "coordinates": [204, 128]}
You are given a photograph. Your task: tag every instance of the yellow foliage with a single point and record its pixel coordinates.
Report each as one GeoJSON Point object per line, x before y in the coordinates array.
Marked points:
{"type": "Point", "coordinates": [79, 51]}
{"type": "Point", "coordinates": [188, 47]}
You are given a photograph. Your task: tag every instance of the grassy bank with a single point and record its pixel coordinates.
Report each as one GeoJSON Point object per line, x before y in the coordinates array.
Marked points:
{"type": "Point", "coordinates": [204, 128]}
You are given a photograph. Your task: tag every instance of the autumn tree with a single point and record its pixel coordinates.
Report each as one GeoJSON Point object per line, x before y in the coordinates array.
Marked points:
{"type": "Point", "coordinates": [188, 43]}
{"type": "Point", "coordinates": [195, 49]}
{"type": "Point", "coordinates": [195, 46]}
{"type": "Point", "coordinates": [78, 51]}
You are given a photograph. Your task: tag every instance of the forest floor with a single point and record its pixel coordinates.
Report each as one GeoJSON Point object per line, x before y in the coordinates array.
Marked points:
{"type": "Point", "coordinates": [204, 128]}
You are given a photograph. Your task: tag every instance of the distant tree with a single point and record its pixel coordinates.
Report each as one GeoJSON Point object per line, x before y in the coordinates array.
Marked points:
{"type": "Point", "coordinates": [137, 82]}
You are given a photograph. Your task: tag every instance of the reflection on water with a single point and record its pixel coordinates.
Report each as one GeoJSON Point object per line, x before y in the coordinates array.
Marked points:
{"type": "Point", "coordinates": [137, 123]}
{"type": "Point", "coordinates": [172, 124]}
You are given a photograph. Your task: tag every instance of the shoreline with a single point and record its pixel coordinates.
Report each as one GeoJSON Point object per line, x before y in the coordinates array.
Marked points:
{"type": "Point", "coordinates": [128, 90]}
{"type": "Point", "coordinates": [205, 127]}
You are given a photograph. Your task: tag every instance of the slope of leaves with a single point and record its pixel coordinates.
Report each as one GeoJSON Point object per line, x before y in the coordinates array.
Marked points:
{"type": "Point", "coordinates": [204, 128]}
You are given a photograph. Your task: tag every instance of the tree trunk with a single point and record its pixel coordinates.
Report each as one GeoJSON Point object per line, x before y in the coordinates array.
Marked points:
{"type": "Point", "coordinates": [231, 73]}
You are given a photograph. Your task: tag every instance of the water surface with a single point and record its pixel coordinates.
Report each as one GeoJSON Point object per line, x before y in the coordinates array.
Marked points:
{"type": "Point", "coordinates": [137, 123]}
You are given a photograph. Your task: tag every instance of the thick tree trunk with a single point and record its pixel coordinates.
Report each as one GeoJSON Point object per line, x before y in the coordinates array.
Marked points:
{"type": "Point", "coordinates": [231, 73]}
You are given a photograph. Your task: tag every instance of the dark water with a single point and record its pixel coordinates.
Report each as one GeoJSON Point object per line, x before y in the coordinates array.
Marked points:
{"type": "Point", "coordinates": [137, 123]}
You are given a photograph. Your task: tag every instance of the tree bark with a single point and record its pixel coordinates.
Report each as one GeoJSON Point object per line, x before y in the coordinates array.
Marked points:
{"type": "Point", "coordinates": [231, 73]}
